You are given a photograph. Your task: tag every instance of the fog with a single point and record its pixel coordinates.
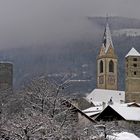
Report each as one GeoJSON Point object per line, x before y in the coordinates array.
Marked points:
{"type": "Point", "coordinates": [30, 22]}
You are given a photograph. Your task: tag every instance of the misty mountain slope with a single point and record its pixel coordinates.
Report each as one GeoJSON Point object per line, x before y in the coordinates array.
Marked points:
{"type": "Point", "coordinates": [116, 23]}
{"type": "Point", "coordinates": [76, 58]}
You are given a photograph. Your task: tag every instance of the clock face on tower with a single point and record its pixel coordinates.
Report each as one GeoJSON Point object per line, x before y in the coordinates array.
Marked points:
{"type": "Point", "coordinates": [101, 79]}
{"type": "Point", "coordinates": [111, 79]}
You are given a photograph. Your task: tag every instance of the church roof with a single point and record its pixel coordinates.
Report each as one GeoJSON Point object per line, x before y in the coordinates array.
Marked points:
{"type": "Point", "coordinates": [104, 95]}
{"type": "Point", "coordinates": [133, 52]}
{"type": "Point", "coordinates": [107, 39]}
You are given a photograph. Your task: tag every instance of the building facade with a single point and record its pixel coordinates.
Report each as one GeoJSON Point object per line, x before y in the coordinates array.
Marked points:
{"type": "Point", "coordinates": [132, 76]}
{"type": "Point", "coordinates": [107, 63]}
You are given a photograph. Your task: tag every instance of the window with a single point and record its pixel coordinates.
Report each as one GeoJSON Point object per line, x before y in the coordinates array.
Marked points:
{"type": "Point", "coordinates": [135, 65]}
{"type": "Point", "coordinates": [101, 66]}
{"type": "Point", "coordinates": [134, 59]}
{"type": "Point", "coordinates": [135, 73]}
{"type": "Point", "coordinates": [111, 66]}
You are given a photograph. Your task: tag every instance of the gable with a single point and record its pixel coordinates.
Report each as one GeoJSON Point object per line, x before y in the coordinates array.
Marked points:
{"type": "Point", "coordinates": [109, 114]}
{"type": "Point", "coordinates": [120, 112]}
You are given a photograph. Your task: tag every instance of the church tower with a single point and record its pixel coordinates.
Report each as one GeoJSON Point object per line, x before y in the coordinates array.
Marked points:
{"type": "Point", "coordinates": [107, 63]}
{"type": "Point", "coordinates": [132, 76]}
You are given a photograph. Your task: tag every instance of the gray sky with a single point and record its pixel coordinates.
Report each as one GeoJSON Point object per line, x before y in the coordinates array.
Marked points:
{"type": "Point", "coordinates": [30, 22]}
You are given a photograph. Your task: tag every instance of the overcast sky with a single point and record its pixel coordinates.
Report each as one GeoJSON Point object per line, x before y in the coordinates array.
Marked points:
{"type": "Point", "coordinates": [30, 22]}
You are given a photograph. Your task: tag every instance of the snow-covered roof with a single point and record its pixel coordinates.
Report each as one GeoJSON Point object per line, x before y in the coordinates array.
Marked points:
{"type": "Point", "coordinates": [91, 114]}
{"type": "Point", "coordinates": [103, 95]}
{"type": "Point", "coordinates": [133, 52]}
{"type": "Point", "coordinates": [97, 103]}
{"type": "Point", "coordinates": [93, 110]}
{"type": "Point", "coordinates": [99, 108]}
{"type": "Point", "coordinates": [128, 113]}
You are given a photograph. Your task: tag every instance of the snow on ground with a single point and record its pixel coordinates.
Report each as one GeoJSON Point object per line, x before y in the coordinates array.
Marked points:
{"type": "Point", "coordinates": [123, 136]}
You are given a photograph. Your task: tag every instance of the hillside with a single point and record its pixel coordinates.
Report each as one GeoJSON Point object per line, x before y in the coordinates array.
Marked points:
{"type": "Point", "coordinates": [74, 58]}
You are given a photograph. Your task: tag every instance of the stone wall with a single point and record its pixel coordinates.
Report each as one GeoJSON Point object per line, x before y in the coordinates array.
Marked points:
{"type": "Point", "coordinates": [132, 80]}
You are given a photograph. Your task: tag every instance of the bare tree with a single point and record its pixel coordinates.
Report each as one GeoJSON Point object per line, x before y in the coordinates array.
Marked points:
{"type": "Point", "coordinates": [43, 115]}
{"type": "Point", "coordinates": [42, 111]}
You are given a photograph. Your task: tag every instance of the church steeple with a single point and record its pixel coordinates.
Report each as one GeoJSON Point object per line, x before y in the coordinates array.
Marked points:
{"type": "Point", "coordinates": [107, 62]}
{"type": "Point", "coordinates": [107, 39]}
{"type": "Point", "coordinates": [107, 47]}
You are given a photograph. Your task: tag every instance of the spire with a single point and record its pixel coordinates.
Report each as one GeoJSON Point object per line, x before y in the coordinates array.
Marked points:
{"type": "Point", "coordinates": [107, 40]}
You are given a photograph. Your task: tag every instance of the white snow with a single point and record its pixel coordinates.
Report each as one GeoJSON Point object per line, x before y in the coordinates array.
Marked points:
{"type": "Point", "coordinates": [93, 110]}
{"type": "Point", "coordinates": [133, 52]}
{"type": "Point", "coordinates": [123, 136]}
{"type": "Point", "coordinates": [131, 112]}
{"type": "Point", "coordinates": [91, 114]}
{"type": "Point", "coordinates": [101, 95]}
{"type": "Point", "coordinates": [96, 108]}
{"type": "Point", "coordinates": [128, 113]}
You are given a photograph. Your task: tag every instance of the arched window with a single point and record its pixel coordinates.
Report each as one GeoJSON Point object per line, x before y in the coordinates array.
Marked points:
{"type": "Point", "coordinates": [101, 66]}
{"type": "Point", "coordinates": [111, 66]}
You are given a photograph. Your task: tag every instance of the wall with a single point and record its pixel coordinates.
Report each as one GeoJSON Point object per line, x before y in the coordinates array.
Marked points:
{"type": "Point", "coordinates": [132, 79]}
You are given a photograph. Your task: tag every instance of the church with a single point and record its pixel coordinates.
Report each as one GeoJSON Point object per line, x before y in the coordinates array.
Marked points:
{"type": "Point", "coordinates": [107, 75]}
{"type": "Point", "coordinates": [108, 103]}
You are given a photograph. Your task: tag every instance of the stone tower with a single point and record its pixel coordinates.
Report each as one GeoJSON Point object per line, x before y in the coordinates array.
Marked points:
{"type": "Point", "coordinates": [107, 63]}
{"type": "Point", "coordinates": [6, 75]}
{"type": "Point", "coordinates": [132, 76]}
